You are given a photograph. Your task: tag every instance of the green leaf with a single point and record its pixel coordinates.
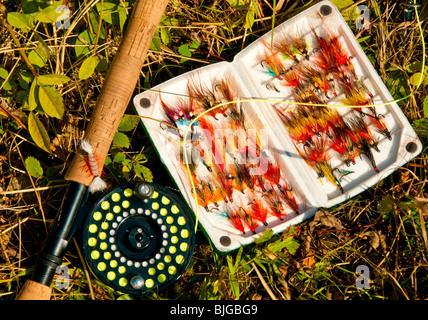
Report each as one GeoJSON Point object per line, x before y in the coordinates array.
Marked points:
{"type": "Point", "coordinates": [51, 101]}
{"type": "Point", "coordinates": [165, 35]}
{"type": "Point", "coordinates": [415, 66]}
{"type": "Point", "coordinates": [362, 39]}
{"type": "Point", "coordinates": [119, 157]}
{"type": "Point", "coordinates": [232, 278]}
{"type": "Point", "coordinates": [156, 44]}
{"type": "Point", "coordinates": [3, 73]}
{"type": "Point", "coordinates": [140, 158]}
{"type": "Point", "coordinates": [125, 297]}
{"type": "Point", "coordinates": [342, 4]}
{"type": "Point", "coordinates": [347, 14]}
{"type": "Point", "coordinates": [421, 127]}
{"type": "Point", "coordinates": [33, 166]}
{"type": "Point", "coordinates": [49, 14]}
{"type": "Point", "coordinates": [107, 161]}
{"type": "Point", "coordinates": [169, 22]}
{"type": "Point", "coordinates": [94, 20]}
{"type": "Point", "coordinates": [289, 243]}
{"type": "Point", "coordinates": [128, 123]}
{"type": "Point", "coordinates": [84, 43]}
{"type": "Point", "coordinates": [52, 79]}
{"type": "Point", "coordinates": [33, 6]}
{"type": "Point", "coordinates": [102, 66]}
{"type": "Point", "coordinates": [113, 13]}
{"type": "Point", "coordinates": [385, 205]}
{"type": "Point", "coordinates": [7, 85]}
{"type": "Point", "coordinates": [121, 140]}
{"type": "Point", "coordinates": [194, 45]}
{"type": "Point", "coordinates": [267, 235]}
{"type": "Point", "coordinates": [88, 67]}
{"type": "Point", "coordinates": [236, 3]}
{"type": "Point", "coordinates": [24, 79]}
{"type": "Point", "coordinates": [416, 78]}
{"type": "Point", "coordinates": [143, 172]}
{"type": "Point", "coordinates": [426, 107]}
{"type": "Point", "coordinates": [39, 56]}
{"type": "Point", "coordinates": [249, 19]}
{"type": "Point", "coordinates": [38, 132]}
{"type": "Point", "coordinates": [19, 20]}
{"type": "Point", "coordinates": [184, 50]}
{"type": "Point", "coordinates": [33, 96]}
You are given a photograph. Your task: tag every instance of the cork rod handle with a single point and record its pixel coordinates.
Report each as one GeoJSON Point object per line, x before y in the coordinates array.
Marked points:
{"type": "Point", "coordinates": [33, 290]}
{"type": "Point", "coordinates": [119, 85]}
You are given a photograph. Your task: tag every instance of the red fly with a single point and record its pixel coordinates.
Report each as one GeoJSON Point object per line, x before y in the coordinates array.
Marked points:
{"type": "Point", "coordinates": [251, 223]}
{"type": "Point", "coordinates": [258, 212]}
{"type": "Point", "coordinates": [236, 220]}
{"type": "Point", "coordinates": [291, 78]}
{"type": "Point", "coordinates": [94, 168]}
{"type": "Point", "coordinates": [273, 173]}
{"type": "Point", "coordinates": [274, 204]}
{"type": "Point", "coordinates": [287, 195]}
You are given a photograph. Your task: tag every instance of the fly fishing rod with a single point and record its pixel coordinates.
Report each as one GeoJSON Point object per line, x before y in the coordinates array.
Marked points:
{"type": "Point", "coordinates": [138, 239]}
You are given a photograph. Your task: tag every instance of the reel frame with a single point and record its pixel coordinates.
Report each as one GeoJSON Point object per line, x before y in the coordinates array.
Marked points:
{"type": "Point", "coordinates": [138, 237]}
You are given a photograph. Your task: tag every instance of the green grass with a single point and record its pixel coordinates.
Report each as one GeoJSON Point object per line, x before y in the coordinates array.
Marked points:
{"type": "Point", "coordinates": [383, 228]}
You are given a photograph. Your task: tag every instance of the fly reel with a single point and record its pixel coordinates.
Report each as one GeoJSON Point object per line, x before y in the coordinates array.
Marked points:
{"type": "Point", "coordinates": [138, 237]}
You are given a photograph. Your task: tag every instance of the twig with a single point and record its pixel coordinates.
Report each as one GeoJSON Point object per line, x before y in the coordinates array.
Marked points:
{"type": "Point", "coordinates": [31, 189]}
{"type": "Point", "coordinates": [15, 225]}
{"type": "Point", "coordinates": [262, 280]}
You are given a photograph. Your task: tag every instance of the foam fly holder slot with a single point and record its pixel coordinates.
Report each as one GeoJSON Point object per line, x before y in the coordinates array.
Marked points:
{"type": "Point", "coordinates": [250, 169]}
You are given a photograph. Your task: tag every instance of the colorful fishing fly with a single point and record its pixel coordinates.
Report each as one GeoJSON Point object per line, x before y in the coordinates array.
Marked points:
{"type": "Point", "coordinates": [287, 195]}
{"type": "Point", "coordinates": [274, 204]}
{"type": "Point", "coordinates": [380, 125]}
{"type": "Point", "coordinates": [235, 219]}
{"type": "Point", "coordinates": [361, 133]}
{"type": "Point", "coordinates": [291, 78]}
{"type": "Point", "coordinates": [323, 82]}
{"type": "Point", "coordinates": [295, 125]}
{"type": "Point", "coordinates": [93, 167]}
{"type": "Point", "coordinates": [202, 98]}
{"type": "Point", "coordinates": [226, 94]}
{"type": "Point", "coordinates": [317, 157]}
{"type": "Point", "coordinates": [258, 211]}
{"type": "Point", "coordinates": [273, 173]}
{"type": "Point", "coordinates": [181, 113]}
{"type": "Point", "coordinates": [362, 136]}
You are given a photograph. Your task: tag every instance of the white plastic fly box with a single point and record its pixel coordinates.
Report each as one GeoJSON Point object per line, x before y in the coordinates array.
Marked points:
{"type": "Point", "coordinates": [284, 129]}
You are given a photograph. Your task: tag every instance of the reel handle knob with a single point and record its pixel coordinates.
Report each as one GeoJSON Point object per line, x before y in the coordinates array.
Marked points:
{"type": "Point", "coordinates": [144, 190]}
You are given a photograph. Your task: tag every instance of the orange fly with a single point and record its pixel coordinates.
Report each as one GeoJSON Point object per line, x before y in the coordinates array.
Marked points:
{"type": "Point", "coordinates": [272, 63]}
{"type": "Point", "coordinates": [258, 212]}
{"type": "Point", "coordinates": [275, 207]}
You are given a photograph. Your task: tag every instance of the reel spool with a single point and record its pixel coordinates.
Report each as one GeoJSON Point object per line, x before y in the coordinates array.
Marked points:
{"type": "Point", "coordinates": [138, 237]}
